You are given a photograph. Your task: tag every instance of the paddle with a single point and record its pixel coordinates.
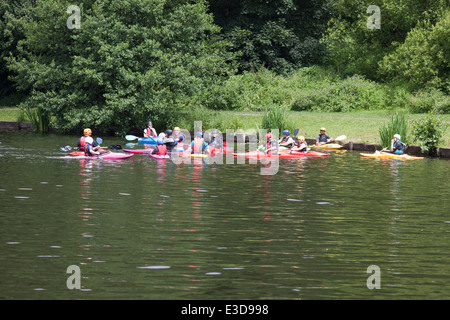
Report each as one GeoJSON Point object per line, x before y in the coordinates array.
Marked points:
{"type": "Point", "coordinates": [130, 137]}
{"type": "Point", "coordinates": [340, 138]}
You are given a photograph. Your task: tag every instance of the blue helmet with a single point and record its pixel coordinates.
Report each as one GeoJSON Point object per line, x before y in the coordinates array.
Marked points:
{"type": "Point", "coordinates": [199, 134]}
{"type": "Point", "coordinates": [286, 132]}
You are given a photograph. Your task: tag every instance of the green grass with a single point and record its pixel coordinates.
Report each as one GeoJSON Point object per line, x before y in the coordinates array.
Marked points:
{"type": "Point", "coordinates": [11, 114]}
{"type": "Point", "coordinates": [360, 127]}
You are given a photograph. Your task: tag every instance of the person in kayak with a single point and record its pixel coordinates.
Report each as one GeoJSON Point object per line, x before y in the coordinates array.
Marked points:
{"type": "Point", "coordinates": [150, 131]}
{"type": "Point", "coordinates": [90, 150]}
{"type": "Point", "coordinates": [302, 146]}
{"type": "Point", "coordinates": [397, 146]}
{"type": "Point", "coordinates": [286, 140]}
{"type": "Point", "coordinates": [323, 138]}
{"type": "Point", "coordinates": [82, 141]}
{"type": "Point", "coordinates": [169, 141]}
{"type": "Point", "coordinates": [160, 148]}
{"type": "Point", "coordinates": [179, 138]}
{"type": "Point", "coordinates": [198, 146]}
{"type": "Point", "coordinates": [215, 142]}
{"type": "Point", "coordinates": [271, 146]}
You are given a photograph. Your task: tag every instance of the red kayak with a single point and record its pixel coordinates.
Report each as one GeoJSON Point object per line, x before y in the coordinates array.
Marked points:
{"type": "Point", "coordinates": [107, 156]}
{"type": "Point", "coordinates": [285, 154]}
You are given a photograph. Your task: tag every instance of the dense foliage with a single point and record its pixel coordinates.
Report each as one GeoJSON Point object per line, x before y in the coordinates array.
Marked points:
{"type": "Point", "coordinates": [130, 61]}
{"type": "Point", "coordinates": [167, 60]}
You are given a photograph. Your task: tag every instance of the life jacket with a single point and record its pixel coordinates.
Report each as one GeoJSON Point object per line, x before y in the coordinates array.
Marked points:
{"type": "Point", "coordinates": [149, 132]}
{"type": "Point", "coordinates": [286, 139]}
{"type": "Point", "coordinates": [399, 146]}
{"type": "Point", "coordinates": [82, 143]}
{"type": "Point", "coordinates": [162, 149]}
{"type": "Point", "coordinates": [198, 146]}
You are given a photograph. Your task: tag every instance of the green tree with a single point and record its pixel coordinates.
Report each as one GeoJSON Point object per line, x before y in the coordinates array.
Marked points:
{"type": "Point", "coordinates": [280, 35]}
{"type": "Point", "coordinates": [130, 61]}
{"type": "Point", "coordinates": [11, 31]}
{"type": "Point", "coordinates": [424, 57]}
{"type": "Point", "coordinates": [354, 47]}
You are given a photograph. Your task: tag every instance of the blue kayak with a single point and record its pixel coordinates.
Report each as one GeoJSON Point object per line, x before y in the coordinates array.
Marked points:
{"type": "Point", "coordinates": [149, 140]}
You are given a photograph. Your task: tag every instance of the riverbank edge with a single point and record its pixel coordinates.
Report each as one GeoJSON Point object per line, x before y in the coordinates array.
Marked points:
{"type": "Point", "coordinates": [246, 138]}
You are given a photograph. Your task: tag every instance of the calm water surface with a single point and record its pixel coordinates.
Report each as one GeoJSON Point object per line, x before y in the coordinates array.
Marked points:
{"type": "Point", "coordinates": [145, 229]}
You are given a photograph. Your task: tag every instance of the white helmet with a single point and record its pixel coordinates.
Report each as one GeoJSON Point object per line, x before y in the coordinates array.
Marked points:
{"type": "Point", "coordinates": [397, 136]}
{"type": "Point", "coordinates": [89, 140]}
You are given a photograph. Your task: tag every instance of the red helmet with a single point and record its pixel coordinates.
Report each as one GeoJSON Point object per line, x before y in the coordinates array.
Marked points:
{"type": "Point", "coordinates": [268, 135]}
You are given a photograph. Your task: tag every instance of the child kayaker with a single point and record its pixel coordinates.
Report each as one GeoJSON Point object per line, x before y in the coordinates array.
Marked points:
{"type": "Point", "coordinates": [323, 138]}
{"type": "Point", "coordinates": [198, 146]}
{"type": "Point", "coordinates": [215, 142]}
{"type": "Point", "coordinates": [160, 148]}
{"type": "Point", "coordinates": [302, 146]}
{"type": "Point", "coordinates": [150, 131]}
{"type": "Point", "coordinates": [89, 149]}
{"type": "Point", "coordinates": [179, 138]}
{"type": "Point", "coordinates": [397, 146]}
{"type": "Point", "coordinates": [82, 141]}
{"type": "Point", "coordinates": [271, 146]}
{"type": "Point", "coordinates": [286, 140]}
{"type": "Point", "coordinates": [169, 141]}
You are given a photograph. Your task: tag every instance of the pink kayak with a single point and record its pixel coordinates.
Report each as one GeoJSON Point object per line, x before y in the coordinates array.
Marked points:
{"type": "Point", "coordinates": [139, 151]}
{"type": "Point", "coordinates": [159, 156]}
{"type": "Point", "coordinates": [105, 156]}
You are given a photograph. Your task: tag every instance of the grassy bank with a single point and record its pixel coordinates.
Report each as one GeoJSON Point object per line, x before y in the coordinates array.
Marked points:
{"type": "Point", "coordinates": [361, 126]}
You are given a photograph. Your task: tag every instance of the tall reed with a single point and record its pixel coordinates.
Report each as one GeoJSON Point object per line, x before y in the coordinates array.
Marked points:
{"type": "Point", "coordinates": [274, 118]}
{"type": "Point", "coordinates": [397, 124]}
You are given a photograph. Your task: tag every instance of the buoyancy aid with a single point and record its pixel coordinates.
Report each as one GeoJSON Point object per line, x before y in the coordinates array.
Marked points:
{"type": "Point", "coordinates": [150, 132]}
{"type": "Point", "coordinates": [198, 146]}
{"type": "Point", "coordinates": [82, 143]}
{"type": "Point", "coordinates": [162, 149]}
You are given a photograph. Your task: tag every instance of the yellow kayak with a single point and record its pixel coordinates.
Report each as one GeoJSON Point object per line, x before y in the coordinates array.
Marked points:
{"type": "Point", "coordinates": [387, 155]}
{"type": "Point", "coordinates": [327, 146]}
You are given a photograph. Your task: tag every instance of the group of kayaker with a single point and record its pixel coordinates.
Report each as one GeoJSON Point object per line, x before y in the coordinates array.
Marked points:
{"type": "Point", "coordinates": [173, 141]}
{"type": "Point", "coordinates": [295, 143]}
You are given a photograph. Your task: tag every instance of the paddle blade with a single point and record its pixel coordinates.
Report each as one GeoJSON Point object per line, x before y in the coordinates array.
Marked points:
{"type": "Point", "coordinates": [130, 137]}
{"type": "Point", "coordinates": [296, 132]}
{"type": "Point", "coordinates": [66, 148]}
{"type": "Point", "coordinates": [99, 141]}
{"type": "Point", "coordinates": [341, 138]}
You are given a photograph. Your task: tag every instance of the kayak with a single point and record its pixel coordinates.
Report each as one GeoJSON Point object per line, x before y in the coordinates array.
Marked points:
{"type": "Point", "coordinates": [105, 156]}
{"type": "Point", "coordinates": [148, 140]}
{"type": "Point", "coordinates": [139, 151]}
{"type": "Point", "coordinates": [81, 153]}
{"type": "Point", "coordinates": [282, 155]}
{"type": "Point", "coordinates": [159, 156]}
{"type": "Point", "coordinates": [223, 150]}
{"type": "Point", "coordinates": [328, 146]}
{"type": "Point", "coordinates": [387, 155]}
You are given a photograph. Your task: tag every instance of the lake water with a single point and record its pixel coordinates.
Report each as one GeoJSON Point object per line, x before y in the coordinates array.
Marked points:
{"type": "Point", "coordinates": [145, 229]}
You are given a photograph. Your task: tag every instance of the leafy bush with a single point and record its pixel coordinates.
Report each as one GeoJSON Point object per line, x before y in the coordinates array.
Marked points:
{"type": "Point", "coordinates": [429, 131]}
{"type": "Point", "coordinates": [354, 93]}
{"type": "Point", "coordinates": [397, 124]}
{"type": "Point", "coordinates": [429, 100]}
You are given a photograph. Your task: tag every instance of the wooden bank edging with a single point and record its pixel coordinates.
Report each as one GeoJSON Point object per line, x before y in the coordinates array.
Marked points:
{"type": "Point", "coordinates": [15, 126]}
